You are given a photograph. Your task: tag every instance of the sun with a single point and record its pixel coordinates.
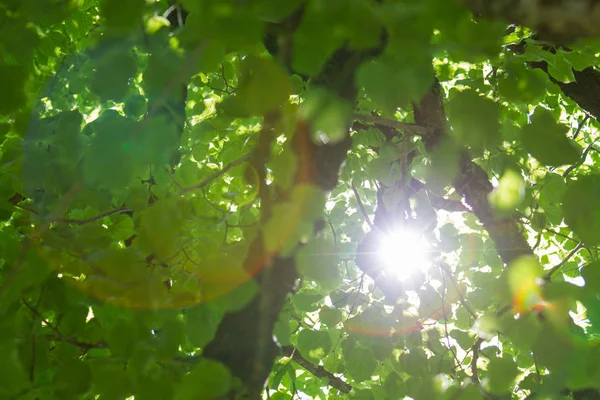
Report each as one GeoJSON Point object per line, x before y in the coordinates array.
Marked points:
{"type": "Point", "coordinates": [404, 253]}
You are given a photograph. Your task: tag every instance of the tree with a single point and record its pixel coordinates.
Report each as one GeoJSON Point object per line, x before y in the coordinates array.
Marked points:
{"type": "Point", "coordinates": [327, 199]}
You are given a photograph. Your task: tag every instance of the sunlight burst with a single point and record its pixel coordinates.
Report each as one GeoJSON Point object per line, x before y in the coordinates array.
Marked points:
{"type": "Point", "coordinates": [404, 253]}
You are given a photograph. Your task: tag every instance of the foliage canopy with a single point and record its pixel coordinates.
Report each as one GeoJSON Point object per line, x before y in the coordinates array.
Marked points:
{"type": "Point", "coordinates": [195, 196]}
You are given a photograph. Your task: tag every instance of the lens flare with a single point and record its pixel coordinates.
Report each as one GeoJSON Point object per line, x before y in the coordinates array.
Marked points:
{"type": "Point", "coordinates": [404, 253]}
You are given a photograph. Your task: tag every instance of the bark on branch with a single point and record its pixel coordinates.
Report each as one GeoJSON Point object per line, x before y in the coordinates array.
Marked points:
{"type": "Point", "coordinates": [472, 183]}
{"type": "Point", "coordinates": [317, 370]}
{"type": "Point", "coordinates": [559, 20]}
{"type": "Point", "coordinates": [244, 339]}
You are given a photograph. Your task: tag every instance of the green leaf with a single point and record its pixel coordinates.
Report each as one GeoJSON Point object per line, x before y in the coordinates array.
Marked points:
{"type": "Point", "coordinates": [305, 206]}
{"type": "Point", "coordinates": [113, 73]}
{"type": "Point", "coordinates": [54, 44]}
{"type": "Point", "coordinates": [552, 349]}
{"type": "Point", "coordinates": [394, 386]}
{"type": "Point", "coordinates": [475, 120]}
{"type": "Point", "coordinates": [307, 302]}
{"type": "Point", "coordinates": [509, 193]}
{"type": "Point", "coordinates": [552, 190]}
{"type": "Point", "coordinates": [13, 376]}
{"type": "Point", "coordinates": [470, 392]}
{"type": "Point", "coordinates": [155, 387]}
{"type": "Point", "coordinates": [77, 376]}
{"type": "Point", "coordinates": [328, 115]}
{"type": "Point", "coordinates": [444, 164]}
{"type": "Point", "coordinates": [164, 75]}
{"type": "Point", "coordinates": [264, 87]}
{"type": "Point", "coordinates": [318, 261]}
{"type": "Point", "coordinates": [135, 106]}
{"type": "Point", "coordinates": [361, 364]}
{"type": "Point", "coordinates": [539, 221]}
{"type": "Point", "coordinates": [560, 69]}
{"type": "Point", "coordinates": [392, 84]}
{"type": "Point", "coordinates": [122, 16]}
{"type": "Point", "coordinates": [284, 166]}
{"type": "Point", "coordinates": [309, 55]}
{"type": "Point", "coordinates": [463, 338]}
{"type": "Point", "coordinates": [79, 24]}
{"type": "Point", "coordinates": [330, 316]}
{"type": "Point", "coordinates": [362, 394]}
{"type": "Point", "coordinates": [524, 275]}
{"type": "Point", "coordinates": [282, 330]}
{"type": "Point", "coordinates": [161, 224]}
{"type": "Point", "coordinates": [108, 161]}
{"type": "Point", "coordinates": [581, 210]}
{"type": "Point", "coordinates": [313, 345]}
{"type": "Point", "coordinates": [201, 324]}
{"type": "Point", "coordinates": [122, 338]}
{"type": "Point", "coordinates": [591, 275]}
{"type": "Point", "coordinates": [12, 82]}
{"type": "Point", "coordinates": [413, 363]}
{"type": "Point", "coordinates": [109, 379]}
{"type": "Point", "coordinates": [157, 141]}
{"type": "Point", "coordinates": [546, 140]}
{"type": "Point", "coordinates": [501, 374]}
{"type": "Point", "coordinates": [368, 138]}
{"type": "Point", "coordinates": [208, 380]}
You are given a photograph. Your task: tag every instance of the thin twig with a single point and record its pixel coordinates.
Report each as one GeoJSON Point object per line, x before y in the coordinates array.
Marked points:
{"type": "Point", "coordinates": [120, 210]}
{"type": "Point", "coordinates": [444, 291]}
{"type": "Point", "coordinates": [83, 345]}
{"type": "Point", "coordinates": [563, 262]}
{"type": "Point", "coordinates": [586, 119]}
{"type": "Point", "coordinates": [33, 357]}
{"type": "Point", "coordinates": [317, 370]}
{"type": "Point", "coordinates": [216, 174]}
{"type": "Point", "coordinates": [41, 317]}
{"type": "Point", "coordinates": [561, 235]}
{"type": "Point", "coordinates": [335, 243]}
{"type": "Point", "coordinates": [537, 242]}
{"type": "Point", "coordinates": [411, 129]}
{"type": "Point", "coordinates": [581, 160]}
{"type": "Point", "coordinates": [475, 349]}
{"type": "Point", "coordinates": [361, 206]}
{"type": "Point", "coordinates": [461, 298]}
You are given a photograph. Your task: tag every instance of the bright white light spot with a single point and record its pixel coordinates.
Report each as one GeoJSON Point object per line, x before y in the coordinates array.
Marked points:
{"type": "Point", "coordinates": [90, 314]}
{"type": "Point", "coordinates": [577, 281]}
{"type": "Point", "coordinates": [329, 205]}
{"type": "Point", "coordinates": [404, 253]}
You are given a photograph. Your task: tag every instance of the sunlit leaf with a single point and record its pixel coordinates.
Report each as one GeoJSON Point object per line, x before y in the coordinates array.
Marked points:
{"type": "Point", "coordinates": [313, 345]}
{"type": "Point", "coordinates": [510, 191]}
{"type": "Point", "coordinates": [524, 276]}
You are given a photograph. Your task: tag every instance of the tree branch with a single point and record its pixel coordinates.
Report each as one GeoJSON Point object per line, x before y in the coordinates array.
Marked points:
{"type": "Point", "coordinates": [549, 274]}
{"type": "Point", "coordinates": [216, 175]}
{"type": "Point", "coordinates": [361, 206]}
{"type": "Point", "coordinates": [317, 370]}
{"type": "Point", "coordinates": [560, 20]}
{"type": "Point", "coordinates": [244, 339]}
{"type": "Point", "coordinates": [120, 210]}
{"type": "Point", "coordinates": [410, 129]}
{"type": "Point", "coordinates": [472, 183]}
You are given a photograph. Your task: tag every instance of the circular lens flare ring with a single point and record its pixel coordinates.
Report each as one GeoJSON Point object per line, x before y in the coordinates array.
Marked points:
{"type": "Point", "coordinates": [404, 253]}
